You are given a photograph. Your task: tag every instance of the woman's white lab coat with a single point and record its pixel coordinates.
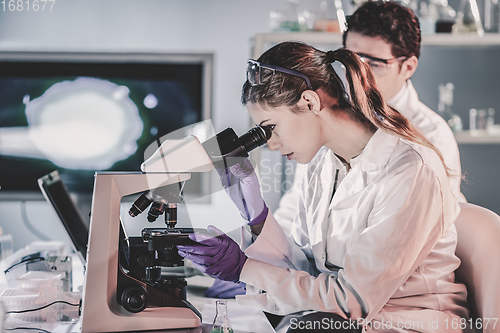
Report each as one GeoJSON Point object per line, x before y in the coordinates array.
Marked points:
{"type": "Point", "coordinates": [382, 249]}
{"type": "Point", "coordinates": [429, 123]}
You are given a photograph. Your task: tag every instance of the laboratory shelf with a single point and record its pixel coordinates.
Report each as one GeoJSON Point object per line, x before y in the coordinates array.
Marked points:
{"type": "Point", "coordinates": [468, 39]}
{"type": "Point", "coordinates": [263, 41]}
{"type": "Point", "coordinates": [477, 137]}
{"type": "Point", "coordinates": [335, 38]}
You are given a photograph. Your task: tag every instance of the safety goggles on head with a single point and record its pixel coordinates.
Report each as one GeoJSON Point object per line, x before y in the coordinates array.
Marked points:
{"type": "Point", "coordinates": [379, 65]}
{"type": "Point", "coordinates": [258, 73]}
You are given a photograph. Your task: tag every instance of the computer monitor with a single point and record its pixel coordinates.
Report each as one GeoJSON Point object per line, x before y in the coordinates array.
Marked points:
{"type": "Point", "coordinates": [86, 112]}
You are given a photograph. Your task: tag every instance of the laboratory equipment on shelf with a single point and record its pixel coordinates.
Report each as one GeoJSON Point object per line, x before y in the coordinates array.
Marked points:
{"type": "Point", "coordinates": [445, 107]}
{"type": "Point", "coordinates": [428, 16]}
{"type": "Point", "coordinates": [446, 17]}
{"type": "Point", "coordinates": [124, 288]}
{"type": "Point", "coordinates": [468, 18]}
{"type": "Point", "coordinates": [490, 120]}
{"type": "Point", "coordinates": [492, 16]}
{"type": "Point", "coordinates": [472, 119]}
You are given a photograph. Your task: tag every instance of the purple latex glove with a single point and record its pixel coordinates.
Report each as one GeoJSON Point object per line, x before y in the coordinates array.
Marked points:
{"type": "Point", "coordinates": [243, 187]}
{"type": "Point", "coordinates": [225, 289]}
{"type": "Point", "coordinates": [218, 256]}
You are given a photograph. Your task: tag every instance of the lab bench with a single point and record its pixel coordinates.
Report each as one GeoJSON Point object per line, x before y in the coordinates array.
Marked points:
{"type": "Point", "coordinates": [243, 319]}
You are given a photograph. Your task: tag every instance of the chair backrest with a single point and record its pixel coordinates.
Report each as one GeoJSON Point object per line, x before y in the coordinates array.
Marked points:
{"type": "Point", "coordinates": [478, 248]}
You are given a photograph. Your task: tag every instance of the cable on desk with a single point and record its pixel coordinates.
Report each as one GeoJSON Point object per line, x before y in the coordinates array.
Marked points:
{"type": "Point", "coordinates": [42, 307]}
{"type": "Point", "coordinates": [29, 226]}
{"type": "Point", "coordinates": [27, 328]}
{"type": "Point", "coordinates": [35, 257]}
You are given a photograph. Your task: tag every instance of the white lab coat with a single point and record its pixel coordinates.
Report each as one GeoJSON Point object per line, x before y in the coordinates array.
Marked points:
{"type": "Point", "coordinates": [383, 249]}
{"type": "Point", "coordinates": [433, 127]}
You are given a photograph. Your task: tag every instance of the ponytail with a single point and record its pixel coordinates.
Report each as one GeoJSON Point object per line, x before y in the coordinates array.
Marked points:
{"type": "Point", "coordinates": [367, 102]}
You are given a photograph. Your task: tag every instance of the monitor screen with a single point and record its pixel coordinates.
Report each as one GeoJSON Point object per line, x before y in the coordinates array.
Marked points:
{"type": "Point", "coordinates": [84, 112]}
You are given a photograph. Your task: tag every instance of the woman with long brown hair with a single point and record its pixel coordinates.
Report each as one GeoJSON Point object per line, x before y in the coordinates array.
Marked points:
{"type": "Point", "coordinates": [374, 239]}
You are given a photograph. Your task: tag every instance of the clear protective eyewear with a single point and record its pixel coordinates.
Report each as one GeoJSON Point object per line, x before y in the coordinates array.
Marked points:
{"type": "Point", "coordinates": [379, 65]}
{"type": "Point", "coordinates": [258, 73]}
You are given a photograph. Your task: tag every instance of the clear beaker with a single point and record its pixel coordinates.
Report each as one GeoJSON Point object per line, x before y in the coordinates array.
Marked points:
{"type": "Point", "coordinates": [221, 321]}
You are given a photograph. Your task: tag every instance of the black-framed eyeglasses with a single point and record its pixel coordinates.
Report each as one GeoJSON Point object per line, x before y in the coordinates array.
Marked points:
{"type": "Point", "coordinates": [258, 73]}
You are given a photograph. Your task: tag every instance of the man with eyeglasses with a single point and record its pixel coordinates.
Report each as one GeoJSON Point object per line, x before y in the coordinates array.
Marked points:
{"type": "Point", "coordinates": [386, 36]}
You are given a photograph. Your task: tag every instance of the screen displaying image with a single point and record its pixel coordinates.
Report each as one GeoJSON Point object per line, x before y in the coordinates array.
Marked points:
{"type": "Point", "coordinates": [84, 113]}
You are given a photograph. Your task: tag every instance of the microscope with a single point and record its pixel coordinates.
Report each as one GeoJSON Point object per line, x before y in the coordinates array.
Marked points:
{"type": "Point", "coordinates": [124, 287]}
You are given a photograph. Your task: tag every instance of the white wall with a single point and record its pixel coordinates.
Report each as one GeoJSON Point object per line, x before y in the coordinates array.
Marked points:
{"type": "Point", "coordinates": [222, 27]}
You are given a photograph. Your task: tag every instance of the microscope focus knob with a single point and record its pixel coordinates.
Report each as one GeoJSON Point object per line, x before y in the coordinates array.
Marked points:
{"type": "Point", "coordinates": [134, 299]}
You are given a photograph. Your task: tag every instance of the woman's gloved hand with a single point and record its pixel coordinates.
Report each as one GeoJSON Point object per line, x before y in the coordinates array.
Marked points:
{"type": "Point", "coordinates": [225, 289]}
{"type": "Point", "coordinates": [243, 187]}
{"type": "Point", "coordinates": [218, 256]}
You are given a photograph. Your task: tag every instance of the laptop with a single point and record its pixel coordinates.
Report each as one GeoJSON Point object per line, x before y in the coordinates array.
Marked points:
{"type": "Point", "coordinates": [57, 194]}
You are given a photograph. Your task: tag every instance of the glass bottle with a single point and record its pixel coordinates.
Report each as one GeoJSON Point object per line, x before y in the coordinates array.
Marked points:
{"type": "Point", "coordinates": [292, 20]}
{"type": "Point", "coordinates": [221, 321]}
{"type": "Point", "coordinates": [446, 18]}
{"type": "Point", "coordinates": [468, 18]}
{"type": "Point", "coordinates": [473, 120]}
{"type": "Point", "coordinates": [492, 16]}
{"type": "Point", "coordinates": [490, 120]}
{"type": "Point", "coordinates": [481, 119]}
{"type": "Point", "coordinates": [330, 16]}
{"type": "Point", "coordinates": [445, 107]}
{"type": "Point", "coordinates": [428, 16]}
{"type": "Point", "coordinates": [288, 18]}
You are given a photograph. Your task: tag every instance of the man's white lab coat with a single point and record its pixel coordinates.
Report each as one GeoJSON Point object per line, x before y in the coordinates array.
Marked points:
{"type": "Point", "coordinates": [382, 249]}
{"type": "Point", "coordinates": [433, 127]}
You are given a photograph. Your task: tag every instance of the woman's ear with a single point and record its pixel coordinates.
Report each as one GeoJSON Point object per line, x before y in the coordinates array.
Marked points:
{"type": "Point", "coordinates": [309, 100]}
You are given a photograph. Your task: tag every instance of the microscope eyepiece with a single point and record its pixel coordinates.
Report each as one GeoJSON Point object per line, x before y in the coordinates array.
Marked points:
{"type": "Point", "coordinates": [255, 137]}
{"type": "Point", "coordinates": [226, 148]}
